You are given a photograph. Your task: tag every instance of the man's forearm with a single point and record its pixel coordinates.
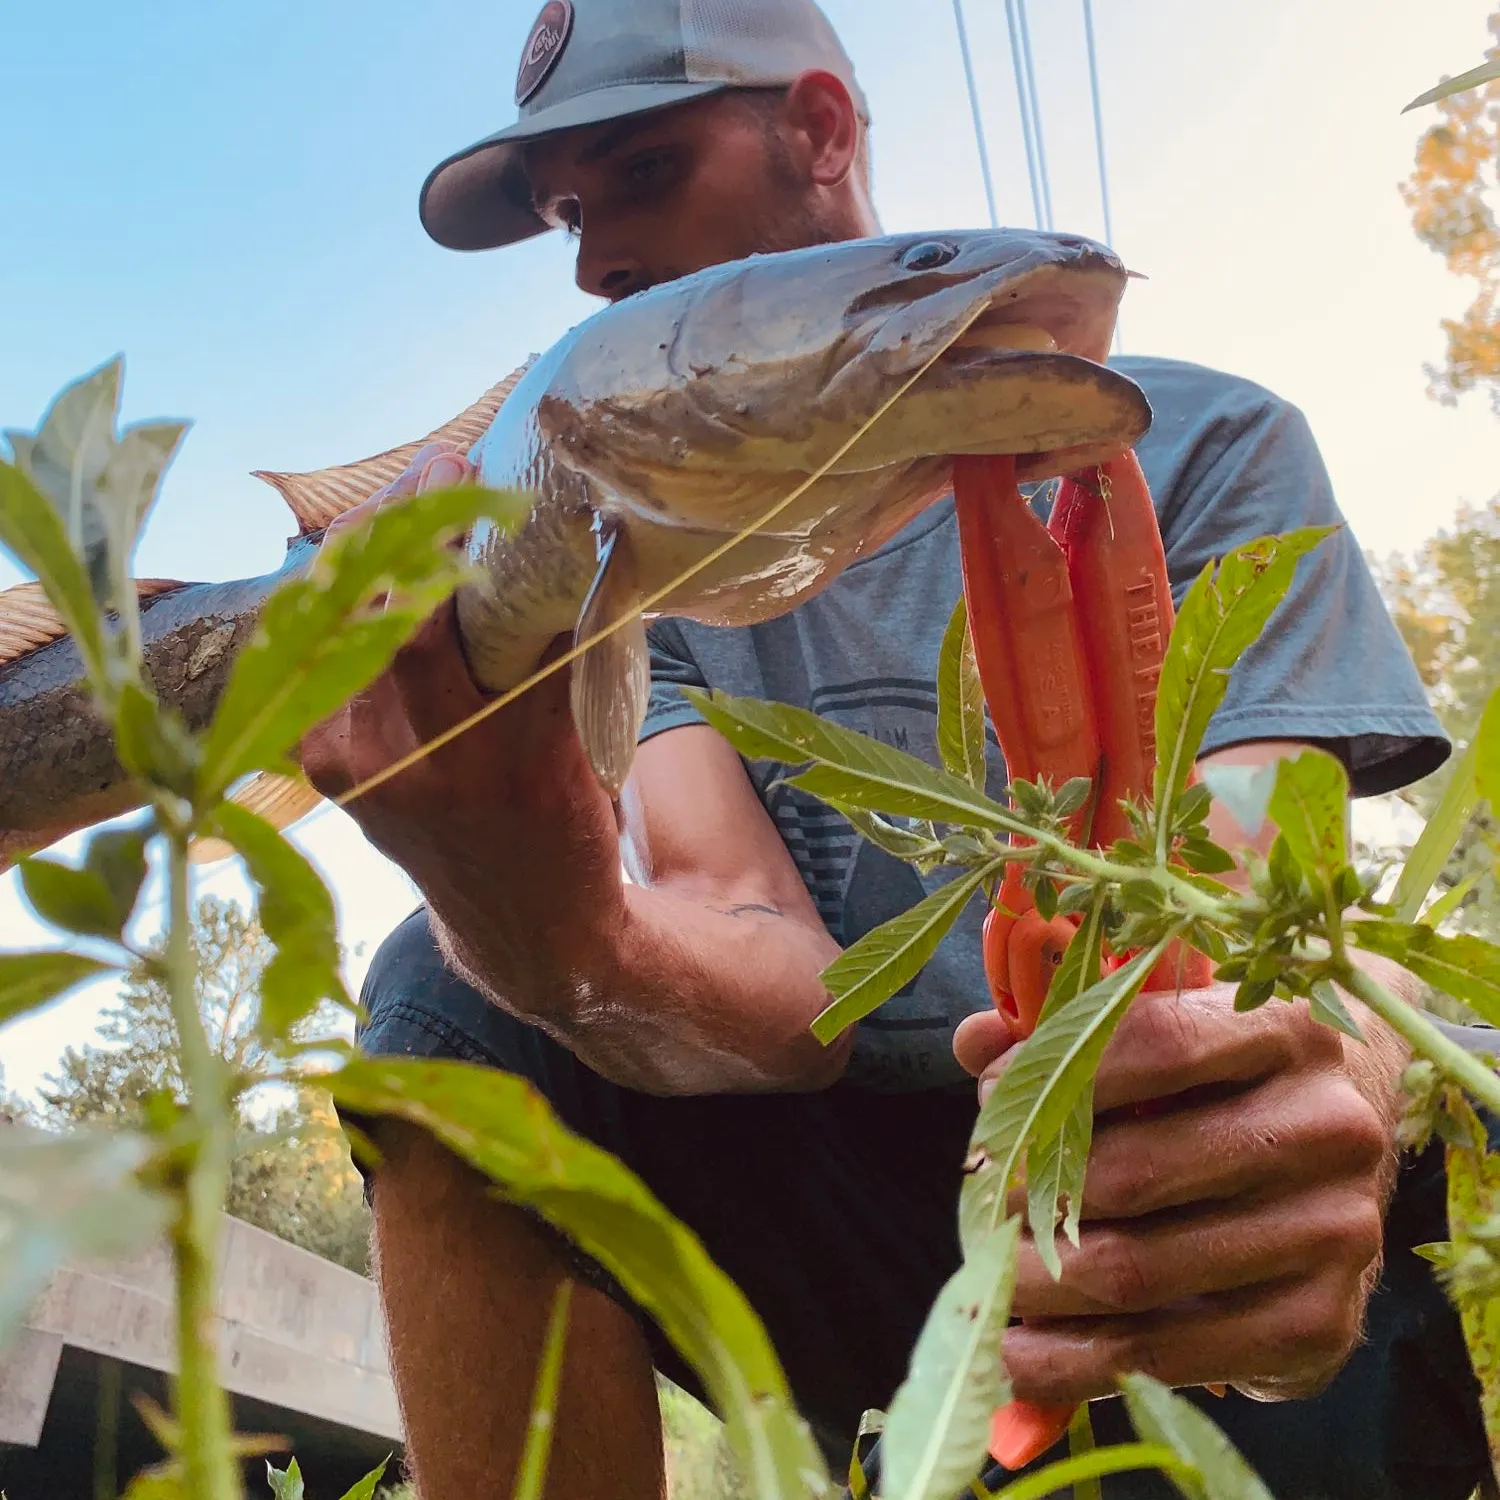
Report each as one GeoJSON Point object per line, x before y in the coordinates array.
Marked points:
{"type": "Point", "coordinates": [669, 995]}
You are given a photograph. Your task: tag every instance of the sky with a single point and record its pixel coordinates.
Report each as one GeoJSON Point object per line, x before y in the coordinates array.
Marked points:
{"type": "Point", "coordinates": [227, 196]}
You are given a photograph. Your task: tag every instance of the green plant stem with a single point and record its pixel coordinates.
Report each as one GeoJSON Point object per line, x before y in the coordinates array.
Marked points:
{"type": "Point", "coordinates": [202, 1405]}
{"type": "Point", "coordinates": [1462, 1067]}
{"type": "Point", "coordinates": [1194, 902]}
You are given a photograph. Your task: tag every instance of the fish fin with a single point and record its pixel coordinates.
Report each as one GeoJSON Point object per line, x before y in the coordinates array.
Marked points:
{"type": "Point", "coordinates": [280, 800]}
{"type": "Point", "coordinates": [319, 495]}
{"type": "Point", "coordinates": [28, 621]}
{"type": "Point", "coordinates": [611, 680]}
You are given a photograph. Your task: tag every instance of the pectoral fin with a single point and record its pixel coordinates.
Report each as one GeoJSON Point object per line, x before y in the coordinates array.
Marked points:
{"type": "Point", "coordinates": [612, 679]}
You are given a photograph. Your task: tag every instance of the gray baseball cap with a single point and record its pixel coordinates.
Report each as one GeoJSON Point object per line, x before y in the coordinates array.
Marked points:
{"type": "Point", "coordinates": [589, 61]}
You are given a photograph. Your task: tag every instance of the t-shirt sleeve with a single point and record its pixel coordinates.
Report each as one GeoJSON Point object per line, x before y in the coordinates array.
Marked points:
{"type": "Point", "coordinates": [1331, 667]}
{"type": "Point", "coordinates": [672, 669]}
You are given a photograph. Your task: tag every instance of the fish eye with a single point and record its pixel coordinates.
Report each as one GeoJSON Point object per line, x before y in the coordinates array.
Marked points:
{"type": "Point", "coordinates": [928, 256]}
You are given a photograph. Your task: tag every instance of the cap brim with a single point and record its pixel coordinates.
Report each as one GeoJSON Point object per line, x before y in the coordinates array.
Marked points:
{"type": "Point", "coordinates": [479, 198]}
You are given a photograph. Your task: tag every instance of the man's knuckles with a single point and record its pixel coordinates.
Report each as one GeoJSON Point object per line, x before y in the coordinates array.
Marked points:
{"type": "Point", "coordinates": [1117, 1273]}
{"type": "Point", "coordinates": [1311, 1330]}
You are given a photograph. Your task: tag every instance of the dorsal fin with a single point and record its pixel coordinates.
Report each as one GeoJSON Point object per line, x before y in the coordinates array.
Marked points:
{"type": "Point", "coordinates": [319, 495]}
{"type": "Point", "coordinates": [28, 621]}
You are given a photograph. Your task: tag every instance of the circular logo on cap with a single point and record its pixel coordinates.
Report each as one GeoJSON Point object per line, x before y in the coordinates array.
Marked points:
{"type": "Point", "coordinates": [543, 47]}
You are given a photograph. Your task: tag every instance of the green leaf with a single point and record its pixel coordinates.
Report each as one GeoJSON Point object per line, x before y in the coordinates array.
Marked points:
{"type": "Point", "coordinates": [1486, 72]}
{"type": "Point", "coordinates": [1325, 1004]}
{"type": "Point", "coordinates": [1225, 612]}
{"type": "Point", "coordinates": [28, 980]}
{"type": "Point", "coordinates": [1206, 857]}
{"type": "Point", "coordinates": [1218, 1472]}
{"type": "Point", "coordinates": [1192, 808]}
{"type": "Point", "coordinates": [1253, 993]}
{"type": "Point", "coordinates": [153, 742]}
{"type": "Point", "coordinates": [1056, 1166]}
{"type": "Point", "coordinates": [1055, 1170]}
{"type": "Point", "coordinates": [938, 1424]}
{"type": "Point", "coordinates": [1068, 1476]}
{"type": "Point", "coordinates": [1463, 966]}
{"type": "Point", "coordinates": [364, 1489]}
{"type": "Point", "coordinates": [319, 641]}
{"type": "Point", "coordinates": [78, 901]}
{"type": "Point", "coordinates": [1310, 805]}
{"type": "Point", "coordinates": [35, 535]}
{"type": "Point", "coordinates": [902, 843]}
{"type": "Point", "coordinates": [67, 1196]}
{"type": "Point", "coordinates": [1473, 1199]}
{"type": "Point", "coordinates": [1484, 753]}
{"type": "Point", "coordinates": [165, 1482]}
{"type": "Point", "coordinates": [960, 703]}
{"type": "Point", "coordinates": [286, 1484]}
{"type": "Point", "coordinates": [502, 1127]}
{"type": "Point", "coordinates": [67, 455]}
{"type": "Point", "coordinates": [297, 912]}
{"type": "Point", "coordinates": [1442, 830]}
{"type": "Point", "coordinates": [863, 977]}
{"type": "Point", "coordinates": [1081, 1443]}
{"type": "Point", "coordinates": [1036, 1093]}
{"type": "Point", "coordinates": [118, 857]}
{"type": "Point", "coordinates": [1450, 901]}
{"type": "Point", "coordinates": [101, 486]}
{"type": "Point", "coordinates": [848, 767]}
{"type": "Point", "coordinates": [531, 1478]}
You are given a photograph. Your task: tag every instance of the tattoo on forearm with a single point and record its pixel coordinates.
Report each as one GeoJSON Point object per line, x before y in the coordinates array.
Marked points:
{"type": "Point", "coordinates": [748, 906]}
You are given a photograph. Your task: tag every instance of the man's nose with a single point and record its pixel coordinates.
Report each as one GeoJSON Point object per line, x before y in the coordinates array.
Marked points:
{"type": "Point", "coordinates": [607, 271]}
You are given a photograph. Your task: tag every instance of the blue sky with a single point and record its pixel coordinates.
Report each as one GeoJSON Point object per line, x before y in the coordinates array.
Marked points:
{"type": "Point", "coordinates": [227, 195]}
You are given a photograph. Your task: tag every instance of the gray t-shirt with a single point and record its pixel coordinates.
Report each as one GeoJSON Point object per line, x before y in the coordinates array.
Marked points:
{"type": "Point", "coordinates": [1227, 461]}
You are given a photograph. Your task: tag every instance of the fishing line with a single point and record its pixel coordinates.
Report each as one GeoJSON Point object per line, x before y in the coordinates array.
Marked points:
{"type": "Point", "coordinates": [1036, 116]}
{"type": "Point", "coordinates": [1109, 232]}
{"type": "Point", "coordinates": [984, 155]}
{"type": "Point", "coordinates": [1021, 97]}
{"type": "Point", "coordinates": [689, 573]}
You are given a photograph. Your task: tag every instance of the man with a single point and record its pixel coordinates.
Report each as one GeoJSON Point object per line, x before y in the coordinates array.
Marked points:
{"type": "Point", "coordinates": [1236, 1238]}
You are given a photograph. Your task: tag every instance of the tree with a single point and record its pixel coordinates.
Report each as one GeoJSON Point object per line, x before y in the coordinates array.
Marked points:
{"type": "Point", "coordinates": [139, 1057]}
{"type": "Point", "coordinates": [297, 1181]}
{"type": "Point", "coordinates": [292, 1174]}
{"type": "Point", "coordinates": [1452, 194]}
{"type": "Point", "coordinates": [12, 1106]}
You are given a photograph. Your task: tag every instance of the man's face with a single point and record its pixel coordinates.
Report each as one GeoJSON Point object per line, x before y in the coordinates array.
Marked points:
{"type": "Point", "coordinates": [662, 195]}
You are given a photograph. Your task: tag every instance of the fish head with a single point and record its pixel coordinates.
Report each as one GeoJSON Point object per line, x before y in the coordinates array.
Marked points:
{"type": "Point", "coordinates": [686, 401]}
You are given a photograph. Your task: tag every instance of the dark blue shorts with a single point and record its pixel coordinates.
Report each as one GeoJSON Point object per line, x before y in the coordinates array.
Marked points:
{"type": "Point", "coordinates": [835, 1213]}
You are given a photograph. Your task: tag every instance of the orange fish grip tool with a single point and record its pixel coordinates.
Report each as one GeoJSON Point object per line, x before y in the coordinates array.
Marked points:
{"type": "Point", "coordinates": [1069, 620]}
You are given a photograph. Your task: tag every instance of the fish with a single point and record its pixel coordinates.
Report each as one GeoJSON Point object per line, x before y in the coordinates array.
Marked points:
{"type": "Point", "coordinates": [834, 382]}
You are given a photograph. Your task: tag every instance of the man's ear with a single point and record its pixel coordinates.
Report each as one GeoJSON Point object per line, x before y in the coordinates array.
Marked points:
{"type": "Point", "coordinates": [825, 126]}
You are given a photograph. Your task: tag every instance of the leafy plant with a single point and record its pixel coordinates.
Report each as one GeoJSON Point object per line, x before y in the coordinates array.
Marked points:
{"type": "Point", "coordinates": [1294, 934]}
{"type": "Point", "coordinates": [71, 507]}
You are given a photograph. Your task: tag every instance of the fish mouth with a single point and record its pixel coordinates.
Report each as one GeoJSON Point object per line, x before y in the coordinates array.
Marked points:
{"type": "Point", "coordinates": [1051, 310]}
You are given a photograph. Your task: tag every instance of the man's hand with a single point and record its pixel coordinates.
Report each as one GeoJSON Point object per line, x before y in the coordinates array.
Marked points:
{"type": "Point", "coordinates": [700, 977]}
{"type": "Point", "coordinates": [504, 829]}
{"type": "Point", "coordinates": [1234, 1237]}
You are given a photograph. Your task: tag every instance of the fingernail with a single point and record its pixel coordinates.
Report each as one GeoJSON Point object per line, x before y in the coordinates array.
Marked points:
{"type": "Point", "coordinates": [445, 472]}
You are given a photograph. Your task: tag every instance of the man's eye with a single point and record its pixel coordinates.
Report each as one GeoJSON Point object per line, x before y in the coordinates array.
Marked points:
{"type": "Point", "coordinates": [649, 168]}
